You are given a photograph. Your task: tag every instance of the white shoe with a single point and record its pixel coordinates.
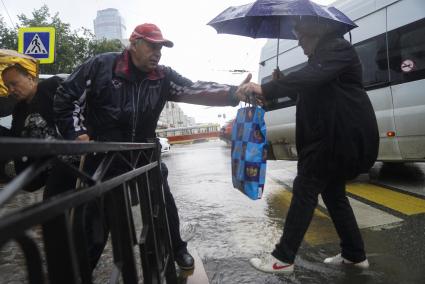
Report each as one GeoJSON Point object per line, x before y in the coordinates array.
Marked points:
{"type": "Point", "coordinates": [339, 260]}
{"type": "Point", "coordinates": [270, 264]}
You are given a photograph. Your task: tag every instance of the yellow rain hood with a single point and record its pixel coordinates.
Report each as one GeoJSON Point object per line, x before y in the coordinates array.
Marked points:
{"type": "Point", "coordinates": [10, 57]}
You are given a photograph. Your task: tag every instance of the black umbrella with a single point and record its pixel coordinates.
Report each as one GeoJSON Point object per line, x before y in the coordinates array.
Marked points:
{"type": "Point", "coordinates": [276, 18]}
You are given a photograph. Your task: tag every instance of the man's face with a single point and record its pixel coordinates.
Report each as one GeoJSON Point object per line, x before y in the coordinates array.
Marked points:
{"type": "Point", "coordinates": [145, 55]}
{"type": "Point", "coordinates": [23, 87]}
{"type": "Point", "coordinates": [307, 42]}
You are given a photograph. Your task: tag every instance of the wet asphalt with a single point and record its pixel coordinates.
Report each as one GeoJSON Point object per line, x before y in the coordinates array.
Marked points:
{"type": "Point", "coordinates": [227, 229]}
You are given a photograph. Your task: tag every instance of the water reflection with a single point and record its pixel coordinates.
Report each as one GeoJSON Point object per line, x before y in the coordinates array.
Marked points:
{"type": "Point", "coordinates": [278, 202]}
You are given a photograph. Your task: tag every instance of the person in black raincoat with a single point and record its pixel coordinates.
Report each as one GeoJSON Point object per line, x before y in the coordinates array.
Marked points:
{"type": "Point", "coordinates": [336, 138]}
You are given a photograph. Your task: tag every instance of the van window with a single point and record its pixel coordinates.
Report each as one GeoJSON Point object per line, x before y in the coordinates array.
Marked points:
{"type": "Point", "coordinates": [373, 56]}
{"type": "Point", "coordinates": [407, 52]}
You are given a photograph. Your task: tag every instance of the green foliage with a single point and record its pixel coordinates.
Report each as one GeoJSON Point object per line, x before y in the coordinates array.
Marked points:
{"type": "Point", "coordinates": [8, 37]}
{"type": "Point", "coordinates": [73, 47]}
{"type": "Point", "coordinates": [104, 45]}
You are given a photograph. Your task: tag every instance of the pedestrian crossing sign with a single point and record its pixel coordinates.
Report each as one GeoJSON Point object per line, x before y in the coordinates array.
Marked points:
{"type": "Point", "coordinates": [38, 42]}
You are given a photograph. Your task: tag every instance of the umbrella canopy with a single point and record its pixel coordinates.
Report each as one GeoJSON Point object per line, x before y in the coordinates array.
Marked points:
{"type": "Point", "coordinates": [11, 57]}
{"type": "Point", "coordinates": [276, 18]}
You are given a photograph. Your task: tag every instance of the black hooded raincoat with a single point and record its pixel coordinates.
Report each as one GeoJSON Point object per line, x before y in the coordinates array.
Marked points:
{"type": "Point", "coordinates": [336, 128]}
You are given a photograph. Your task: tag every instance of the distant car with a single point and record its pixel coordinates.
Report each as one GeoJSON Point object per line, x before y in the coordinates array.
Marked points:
{"type": "Point", "coordinates": [165, 146]}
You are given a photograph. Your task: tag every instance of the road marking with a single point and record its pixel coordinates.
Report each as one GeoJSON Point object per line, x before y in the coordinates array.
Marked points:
{"type": "Point", "coordinates": [321, 230]}
{"type": "Point", "coordinates": [400, 202]}
{"type": "Point", "coordinates": [368, 216]}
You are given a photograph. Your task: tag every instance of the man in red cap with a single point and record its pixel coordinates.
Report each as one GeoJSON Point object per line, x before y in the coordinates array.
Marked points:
{"type": "Point", "coordinates": [119, 97]}
{"type": "Point", "coordinates": [151, 33]}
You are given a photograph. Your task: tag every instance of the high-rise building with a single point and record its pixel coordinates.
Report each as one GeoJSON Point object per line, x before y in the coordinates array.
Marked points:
{"type": "Point", "coordinates": [109, 25]}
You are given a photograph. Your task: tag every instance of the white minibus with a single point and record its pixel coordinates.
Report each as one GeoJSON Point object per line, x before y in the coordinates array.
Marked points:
{"type": "Point", "coordinates": [390, 41]}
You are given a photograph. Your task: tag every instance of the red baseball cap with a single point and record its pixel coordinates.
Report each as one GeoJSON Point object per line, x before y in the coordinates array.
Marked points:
{"type": "Point", "coordinates": [151, 33]}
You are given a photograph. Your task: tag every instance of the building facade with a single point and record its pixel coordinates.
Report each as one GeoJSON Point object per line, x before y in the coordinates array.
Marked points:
{"type": "Point", "coordinates": [173, 116]}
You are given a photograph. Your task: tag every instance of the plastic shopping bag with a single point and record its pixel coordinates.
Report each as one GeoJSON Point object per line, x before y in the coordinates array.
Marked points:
{"type": "Point", "coordinates": [249, 151]}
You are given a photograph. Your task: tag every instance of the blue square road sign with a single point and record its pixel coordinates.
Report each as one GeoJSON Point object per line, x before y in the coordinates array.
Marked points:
{"type": "Point", "coordinates": [38, 42]}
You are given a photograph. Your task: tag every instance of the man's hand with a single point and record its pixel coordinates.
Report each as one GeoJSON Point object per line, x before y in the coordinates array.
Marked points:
{"type": "Point", "coordinates": [276, 75]}
{"type": "Point", "coordinates": [248, 91]}
{"type": "Point", "coordinates": [246, 80]}
{"type": "Point", "coordinates": [83, 138]}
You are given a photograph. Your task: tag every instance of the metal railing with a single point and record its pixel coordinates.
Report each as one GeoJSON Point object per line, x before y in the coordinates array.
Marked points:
{"type": "Point", "coordinates": [137, 186]}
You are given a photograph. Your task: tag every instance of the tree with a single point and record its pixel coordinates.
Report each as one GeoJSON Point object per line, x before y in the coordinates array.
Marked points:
{"type": "Point", "coordinates": [73, 47]}
{"type": "Point", "coordinates": [104, 45]}
{"type": "Point", "coordinates": [8, 37]}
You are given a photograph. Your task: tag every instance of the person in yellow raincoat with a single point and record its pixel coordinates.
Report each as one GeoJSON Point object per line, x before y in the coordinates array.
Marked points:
{"type": "Point", "coordinates": [7, 103]}
{"type": "Point", "coordinates": [32, 116]}
{"type": "Point", "coordinates": [12, 57]}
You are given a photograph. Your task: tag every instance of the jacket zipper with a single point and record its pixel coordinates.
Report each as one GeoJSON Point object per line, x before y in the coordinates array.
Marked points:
{"type": "Point", "coordinates": [136, 109]}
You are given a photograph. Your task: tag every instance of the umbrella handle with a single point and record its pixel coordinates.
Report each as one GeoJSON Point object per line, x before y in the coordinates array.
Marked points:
{"type": "Point", "coordinates": [276, 75]}
{"type": "Point", "coordinates": [277, 50]}
{"type": "Point", "coordinates": [277, 54]}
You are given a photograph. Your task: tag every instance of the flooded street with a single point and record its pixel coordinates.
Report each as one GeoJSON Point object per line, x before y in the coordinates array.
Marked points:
{"type": "Point", "coordinates": [226, 228]}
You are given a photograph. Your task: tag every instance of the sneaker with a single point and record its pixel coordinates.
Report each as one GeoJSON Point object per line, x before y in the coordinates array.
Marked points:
{"type": "Point", "coordinates": [271, 264]}
{"type": "Point", "coordinates": [338, 260]}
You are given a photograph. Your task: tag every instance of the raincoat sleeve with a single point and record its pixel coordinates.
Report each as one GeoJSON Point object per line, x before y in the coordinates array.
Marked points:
{"type": "Point", "coordinates": [325, 66]}
{"type": "Point", "coordinates": [184, 90]}
{"type": "Point", "coordinates": [70, 101]}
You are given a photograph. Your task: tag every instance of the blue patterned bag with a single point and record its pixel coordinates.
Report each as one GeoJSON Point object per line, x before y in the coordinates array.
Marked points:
{"type": "Point", "coordinates": [249, 151]}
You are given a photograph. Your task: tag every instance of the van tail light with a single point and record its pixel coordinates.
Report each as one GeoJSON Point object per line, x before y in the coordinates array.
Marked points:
{"type": "Point", "coordinates": [390, 133]}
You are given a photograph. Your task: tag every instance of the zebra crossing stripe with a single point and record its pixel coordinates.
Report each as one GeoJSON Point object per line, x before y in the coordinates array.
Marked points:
{"type": "Point", "coordinates": [397, 201]}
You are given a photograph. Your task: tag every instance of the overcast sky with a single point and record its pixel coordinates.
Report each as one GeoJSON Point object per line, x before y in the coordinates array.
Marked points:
{"type": "Point", "coordinates": [199, 53]}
